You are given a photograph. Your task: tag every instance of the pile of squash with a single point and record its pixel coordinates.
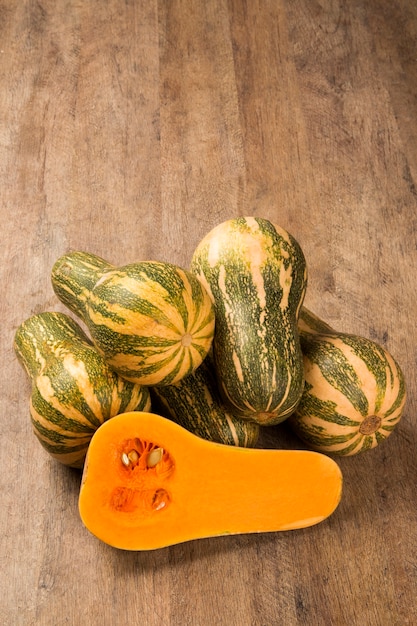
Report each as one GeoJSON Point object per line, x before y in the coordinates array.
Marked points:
{"type": "Point", "coordinates": [190, 365]}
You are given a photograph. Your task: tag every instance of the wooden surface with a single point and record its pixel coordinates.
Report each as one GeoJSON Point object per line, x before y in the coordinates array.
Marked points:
{"type": "Point", "coordinates": [131, 128]}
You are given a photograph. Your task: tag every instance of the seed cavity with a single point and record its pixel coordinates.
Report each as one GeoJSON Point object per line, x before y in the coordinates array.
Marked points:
{"type": "Point", "coordinates": [139, 457]}
{"type": "Point", "coordinates": [154, 457]}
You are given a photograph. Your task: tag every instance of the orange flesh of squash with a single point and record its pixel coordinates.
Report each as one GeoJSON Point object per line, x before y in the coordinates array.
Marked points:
{"type": "Point", "coordinates": [149, 483]}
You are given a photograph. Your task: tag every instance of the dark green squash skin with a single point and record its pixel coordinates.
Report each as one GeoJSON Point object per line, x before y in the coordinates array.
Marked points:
{"type": "Point", "coordinates": [256, 275]}
{"type": "Point", "coordinates": [73, 389]}
{"type": "Point", "coordinates": [195, 404]}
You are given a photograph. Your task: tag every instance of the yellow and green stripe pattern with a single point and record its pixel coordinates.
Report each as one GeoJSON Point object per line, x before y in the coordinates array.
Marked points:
{"type": "Point", "coordinates": [73, 389]}
{"type": "Point", "coordinates": [152, 321]}
{"type": "Point", "coordinates": [354, 392]}
{"type": "Point", "coordinates": [255, 273]}
{"type": "Point", "coordinates": [195, 404]}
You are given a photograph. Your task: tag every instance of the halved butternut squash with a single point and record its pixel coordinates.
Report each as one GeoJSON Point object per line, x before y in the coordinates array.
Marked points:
{"type": "Point", "coordinates": [149, 483]}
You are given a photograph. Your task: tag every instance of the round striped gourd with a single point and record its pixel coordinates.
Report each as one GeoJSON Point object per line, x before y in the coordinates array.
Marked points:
{"type": "Point", "coordinates": [354, 390]}
{"type": "Point", "coordinates": [153, 322]}
{"type": "Point", "coordinates": [195, 404]}
{"type": "Point", "coordinates": [73, 389]}
{"type": "Point", "coordinates": [256, 275]}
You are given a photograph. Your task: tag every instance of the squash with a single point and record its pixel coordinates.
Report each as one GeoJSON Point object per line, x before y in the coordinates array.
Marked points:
{"type": "Point", "coordinates": [149, 483]}
{"type": "Point", "coordinates": [255, 273]}
{"type": "Point", "coordinates": [153, 322]}
{"type": "Point", "coordinates": [195, 404]}
{"type": "Point", "coordinates": [73, 389]}
{"type": "Point", "coordinates": [354, 392]}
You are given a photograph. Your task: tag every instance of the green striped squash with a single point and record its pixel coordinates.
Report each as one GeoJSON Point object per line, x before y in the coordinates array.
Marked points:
{"type": "Point", "coordinates": [255, 273]}
{"type": "Point", "coordinates": [153, 322]}
{"type": "Point", "coordinates": [354, 390]}
{"type": "Point", "coordinates": [195, 404]}
{"type": "Point", "coordinates": [73, 389]}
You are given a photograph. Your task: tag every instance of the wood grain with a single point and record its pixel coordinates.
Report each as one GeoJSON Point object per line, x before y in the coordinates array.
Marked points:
{"type": "Point", "coordinates": [129, 129]}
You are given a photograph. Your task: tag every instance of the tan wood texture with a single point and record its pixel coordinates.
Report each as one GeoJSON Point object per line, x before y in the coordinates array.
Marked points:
{"type": "Point", "coordinates": [131, 128]}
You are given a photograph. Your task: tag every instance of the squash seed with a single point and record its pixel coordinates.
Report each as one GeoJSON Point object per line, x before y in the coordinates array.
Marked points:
{"type": "Point", "coordinates": [125, 459]}
{"type": "Point", "coordinates": [154, 457]}
{"type": "Point", "coordinates": [133, 456]}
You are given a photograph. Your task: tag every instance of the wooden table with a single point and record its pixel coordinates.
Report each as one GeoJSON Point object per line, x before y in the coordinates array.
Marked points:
{"type": "Point", "coordinates": [130, 129]}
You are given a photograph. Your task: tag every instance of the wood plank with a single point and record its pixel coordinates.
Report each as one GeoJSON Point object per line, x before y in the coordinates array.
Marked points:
{"type": "Point", "coordinates": [201, 142]}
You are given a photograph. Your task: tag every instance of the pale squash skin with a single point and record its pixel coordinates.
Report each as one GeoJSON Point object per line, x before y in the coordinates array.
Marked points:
{"type": "Point", "coordinates": [73, 389]}
{"type": "Point", "coordinates": [153, 322]}
{"type": "Point", "coordinates": [255, 273]}
{"type": "Point", "coordinates": [149, 483]}
{"type": "Point", "coordinates": [354, 392]}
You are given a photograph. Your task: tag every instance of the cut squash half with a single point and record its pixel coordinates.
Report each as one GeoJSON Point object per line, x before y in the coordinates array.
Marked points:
{"type": "Point", "coordinates": [148, 483]}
